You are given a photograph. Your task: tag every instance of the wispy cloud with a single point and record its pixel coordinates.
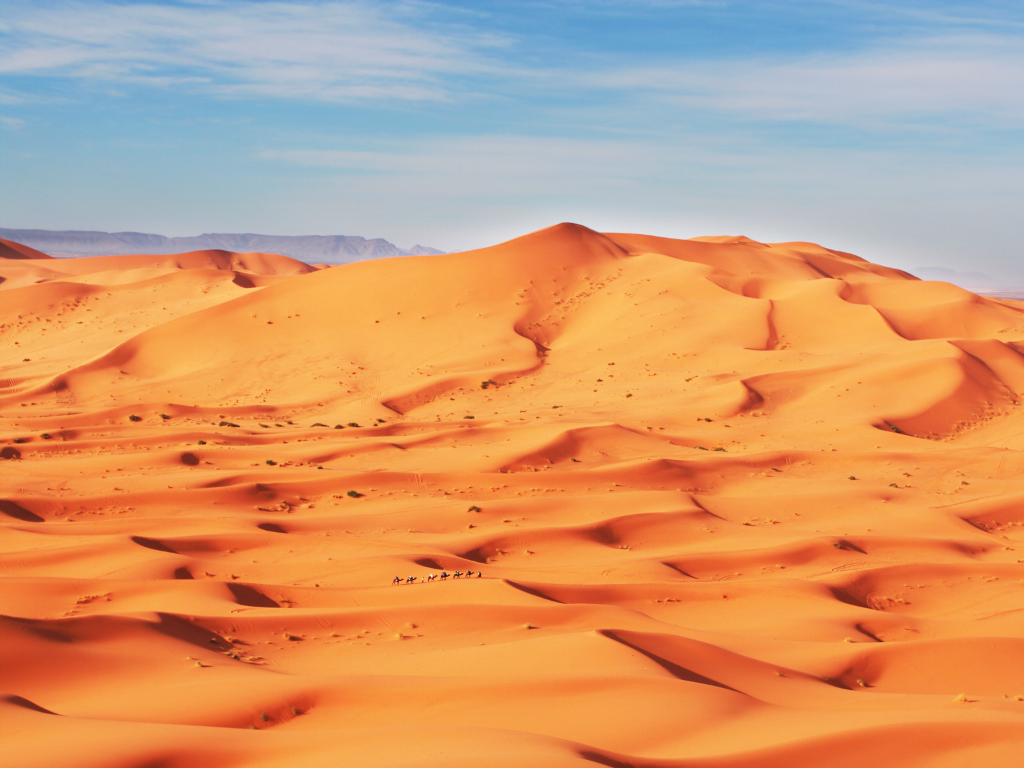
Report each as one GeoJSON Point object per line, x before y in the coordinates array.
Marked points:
{"type": "Point", "coordinates": [962, 76]}
{"type": "Point", "coordinates": [358, 50]}
{"type": "Point", "coordinates": [11, 123]}
{"type": "Point", "coordinates": [494, 166]}
{"type": "Point", "coordinates": [322, 51]}
{"type": "Point", "coordinates": [479, 160]}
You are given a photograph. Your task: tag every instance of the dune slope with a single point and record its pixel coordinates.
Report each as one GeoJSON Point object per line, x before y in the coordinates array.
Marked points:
{"type": "Point", "coordinates": [723, 503]}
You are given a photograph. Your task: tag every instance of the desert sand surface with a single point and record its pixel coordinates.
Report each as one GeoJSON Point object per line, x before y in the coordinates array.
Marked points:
{"type": "Point", "coordinates": [726, 504]}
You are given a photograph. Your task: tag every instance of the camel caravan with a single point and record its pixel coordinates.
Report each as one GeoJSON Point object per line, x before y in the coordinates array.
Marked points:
{"type": "Point", "coordinates": [443, 576]}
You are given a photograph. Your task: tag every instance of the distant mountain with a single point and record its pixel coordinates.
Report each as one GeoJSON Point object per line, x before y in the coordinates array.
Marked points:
{"type": "Point", "coordinates": [314, 249]}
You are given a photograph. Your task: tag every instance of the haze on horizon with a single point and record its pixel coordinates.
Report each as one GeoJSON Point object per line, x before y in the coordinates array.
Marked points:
{"type": "Point", "coordinates": [889, 130]}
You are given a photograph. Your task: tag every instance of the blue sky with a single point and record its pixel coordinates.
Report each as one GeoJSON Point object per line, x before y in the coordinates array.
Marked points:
{"type": "Point", "coordinates": [891, 129]}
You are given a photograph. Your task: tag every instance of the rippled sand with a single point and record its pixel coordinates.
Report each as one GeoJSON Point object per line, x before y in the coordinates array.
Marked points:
{"type": "Point", "coordinates": [732, 505]}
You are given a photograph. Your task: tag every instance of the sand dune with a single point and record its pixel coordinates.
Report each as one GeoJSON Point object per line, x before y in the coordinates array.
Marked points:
{"type": "Point", "coordinates": [12, 250]}
{"type": "Point", "coordinates": [732, 504]}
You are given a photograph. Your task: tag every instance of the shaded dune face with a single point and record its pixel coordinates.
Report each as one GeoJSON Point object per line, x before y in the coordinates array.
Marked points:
{"type": "Point", "coordinates": [12, 250]}
{"type": "Point", "coordinates": [725, 503]}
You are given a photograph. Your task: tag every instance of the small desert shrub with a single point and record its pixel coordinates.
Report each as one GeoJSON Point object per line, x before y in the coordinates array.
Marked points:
{"type": "Point", "coordinates": [318, 424]}
{"type": "Point", "coordinates": [852, 477]}
{"type": "Point", "coordinates": [46, 436]}
{"type": "Point", "coordinates": [488, 383]}
{"type": "Point", "coordinates": [164, 416]}
{"type": "Point", "coordinates": [474, 508]}
{"type": "Point", "coordinates": [469, 417]}
{"type": "Point", "coordinates": [227, 424]}
{"type": "Point", "coordinates": [133, 417]}
{"type": "Point", "coordinates": [354, 494]}
{"type": "Point", "coordinates": [202, 442]}
{"type": "Point", "coordinates": [719, 449]}
{"type": "Point", "coordinates": [271, 462]}
{"type": "Point", "coordinates": [339, 426]}
{"type": "Point", "coordinates": [21, 440]}
{"type": "Point", "coordinates": [352, 424]}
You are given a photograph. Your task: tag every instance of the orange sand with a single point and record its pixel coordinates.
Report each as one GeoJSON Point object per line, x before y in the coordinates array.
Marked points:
{"type": "Point", "coordinates": [735, 505]}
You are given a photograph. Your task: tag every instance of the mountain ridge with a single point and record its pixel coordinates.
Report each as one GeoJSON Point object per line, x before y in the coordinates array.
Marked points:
{"type": "Point", "coordinates": [325, 249]}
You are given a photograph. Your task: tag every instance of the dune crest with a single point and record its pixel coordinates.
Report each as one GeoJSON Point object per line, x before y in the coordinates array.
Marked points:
{"type": "Point", "coordinates": [12, 250]}
{"type": "Point", "coordinates": [723, 503]}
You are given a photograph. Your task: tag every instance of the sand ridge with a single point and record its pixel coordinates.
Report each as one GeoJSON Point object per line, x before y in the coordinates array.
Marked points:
{"type": "Point", "coordinates": [733, 504]}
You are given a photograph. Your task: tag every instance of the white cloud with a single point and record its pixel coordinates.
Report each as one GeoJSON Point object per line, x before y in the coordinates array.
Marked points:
{"type": "Point", "coordinates": [325, 51]}
{"type": "Point", "coordinates": [980, 75]}
{"type": "Point", "coordinates": [510, 165]}
{"type": "Point", "coordinates": [358, 50]}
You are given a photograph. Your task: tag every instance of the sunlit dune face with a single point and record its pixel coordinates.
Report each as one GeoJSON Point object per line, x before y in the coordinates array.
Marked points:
{"type": "Point", "coordinates": [575, 499]}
